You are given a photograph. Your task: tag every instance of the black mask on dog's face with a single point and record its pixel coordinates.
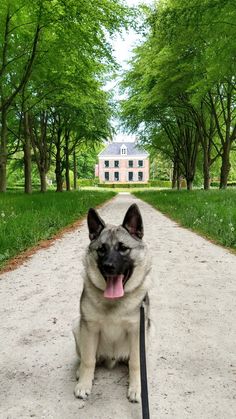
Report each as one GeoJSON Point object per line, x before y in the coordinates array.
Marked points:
{"type": "Point", "coordinates": [113, 255]}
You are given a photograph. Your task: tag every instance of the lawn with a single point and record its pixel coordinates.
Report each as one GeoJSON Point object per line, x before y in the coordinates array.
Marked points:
{"type": "Point", "coordinates": [211, 213]}
{"type": "Point", "coordinates": [27, 219]}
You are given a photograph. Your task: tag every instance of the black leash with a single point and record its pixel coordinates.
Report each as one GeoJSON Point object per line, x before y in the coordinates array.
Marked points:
{"type": "Point", "coordinates": [143, 366]}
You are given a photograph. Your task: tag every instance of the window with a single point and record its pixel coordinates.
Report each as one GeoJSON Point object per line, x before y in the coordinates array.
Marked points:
{"type": "Point", "coordinates": [131, 163]}
{"type": "Point", "coordinates": [106, 163]}
{"type": "Point", "coordinates": [123, 150]}
{"type": "Point", "coordinates": [140, 163]}
{"type": "Point", "coordinates": [116, 177]}
{"type": "Point", "coordinates": [106, 175]}
{"type": "Point", "coordinates": [131, 176]}
{"type": "Point", "coordinates": [140, 176]}
{"type": "Point", "coordinates": [117, 163]}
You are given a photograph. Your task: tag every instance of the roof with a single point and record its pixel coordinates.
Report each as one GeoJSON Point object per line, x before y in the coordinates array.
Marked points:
{"type": "Point", "coordinates": [113, 149]}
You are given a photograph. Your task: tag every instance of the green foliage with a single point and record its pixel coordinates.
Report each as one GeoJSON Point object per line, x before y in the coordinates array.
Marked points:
{"type": "Point", "coordinates": [211, 213]}
{"type": "Point", "coordinates": [180, 89]}
{"type": "Point", "coordinates": [86, 160]}
{"type": "Point", "coordinates": [87, 182]}
{"type": "Point", "coordinates": [160, 183]}
{"type": "Point", "coordinates": [25, 220]}
{"type": "Point", "coordinates": [217, 184]}
{"type": "Point", "coordinates": [55, 58]}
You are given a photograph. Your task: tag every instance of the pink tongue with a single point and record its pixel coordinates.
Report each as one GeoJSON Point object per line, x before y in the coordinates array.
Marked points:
{"type": "Point", "coordinates": [114, 287]}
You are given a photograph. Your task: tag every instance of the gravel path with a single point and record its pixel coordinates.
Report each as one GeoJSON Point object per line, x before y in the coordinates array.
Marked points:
{"type": "Point", "coordinates": [192, 360]}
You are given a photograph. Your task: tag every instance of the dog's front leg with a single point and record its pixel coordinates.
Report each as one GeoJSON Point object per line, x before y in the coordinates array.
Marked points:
{"type": "Point", "coordinates": [134, 390]}
{"type": "Point", "coordinates": [88, 349]}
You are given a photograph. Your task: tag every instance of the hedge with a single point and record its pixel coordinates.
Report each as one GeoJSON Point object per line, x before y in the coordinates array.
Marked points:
{"type": "Point", "coordinates": [123, 185]}
{"type": "Point", "coordinates": [160, 183]}
{"type": "Point", "coordinates": [217, 184]}
{"type": "Point", "coordinates": [87, 182]}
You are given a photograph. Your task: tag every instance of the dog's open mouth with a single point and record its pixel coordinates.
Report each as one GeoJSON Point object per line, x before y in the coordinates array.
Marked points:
{"type": "Point", "coordinates": [115, 285]}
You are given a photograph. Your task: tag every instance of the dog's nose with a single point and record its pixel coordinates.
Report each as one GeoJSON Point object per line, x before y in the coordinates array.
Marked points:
{"type": "Point", "coordinates": [109, 267]}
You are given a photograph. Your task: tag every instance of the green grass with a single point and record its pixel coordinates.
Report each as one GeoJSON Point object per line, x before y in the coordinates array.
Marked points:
{"type": "Point", "coordinates": [211, 213]}
{"type": "Point", "coordinates": [27, 219]}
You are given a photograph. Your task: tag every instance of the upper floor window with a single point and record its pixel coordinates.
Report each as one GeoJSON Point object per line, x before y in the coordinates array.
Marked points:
{"type": "Point", "coordinates": [123, 150]}
{"type": "Point", "coordinates": [140, 163]}
{"type": "Point", "coordinates": [106, 163]}
{"type": "Point", "coordinates": [131, 163]}
{"type": "Point", "coordinates": [117, 163]}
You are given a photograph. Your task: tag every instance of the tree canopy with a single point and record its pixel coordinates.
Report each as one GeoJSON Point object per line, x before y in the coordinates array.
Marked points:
{"type": "Point", "coordinates": [54, 59]}
{"type": "Point", "coordinates": [181, 89]}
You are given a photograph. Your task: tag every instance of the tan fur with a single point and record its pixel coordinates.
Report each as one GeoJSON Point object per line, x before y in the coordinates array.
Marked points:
{"type": "Point", "coordinates": [109, 329]}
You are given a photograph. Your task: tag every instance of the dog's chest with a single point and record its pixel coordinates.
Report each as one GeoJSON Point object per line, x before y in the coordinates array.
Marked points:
{"type": "Point", "coordinates": [114, 338]}
{"type": "Point", "coordinates": [116, 325]}
{"type": "Point", "coordinates": [113, 331]}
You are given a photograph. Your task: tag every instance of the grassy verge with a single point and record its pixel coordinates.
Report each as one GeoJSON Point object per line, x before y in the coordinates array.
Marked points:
{"type": "Point", "coordinates": [117, 190]}
{"type": "Point", "coordinates": [211, 213]}
{"type": "Point", "coordinates": [27, 219]}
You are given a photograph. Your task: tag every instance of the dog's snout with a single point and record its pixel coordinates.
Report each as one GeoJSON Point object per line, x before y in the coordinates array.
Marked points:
{"type": "Point", "coordinates": [109, 267]}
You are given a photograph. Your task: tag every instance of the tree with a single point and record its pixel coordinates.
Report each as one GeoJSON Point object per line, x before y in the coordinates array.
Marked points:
{"type": "Point", "coordinates": [49, 41]}
{"type": "Point", "coordinates": [179, 69]}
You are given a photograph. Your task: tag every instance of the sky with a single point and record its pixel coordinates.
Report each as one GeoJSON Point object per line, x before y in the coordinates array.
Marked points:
{"type": "Point", "coordinates": [122, 46]}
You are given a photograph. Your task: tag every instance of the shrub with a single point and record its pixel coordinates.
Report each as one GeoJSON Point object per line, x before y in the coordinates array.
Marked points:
{"type": "Point", "coordinates": [123, 185]}
{"type": "Point", "coordinates": [216, 183]}
{"type": "Point", "coordinates": [160, 183]}
{"type": "Point", "coordinates": [87, 182]}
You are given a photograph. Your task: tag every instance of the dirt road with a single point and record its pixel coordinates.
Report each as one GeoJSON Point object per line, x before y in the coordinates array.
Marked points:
{"type": "Point", "coordinates": [192, 360]}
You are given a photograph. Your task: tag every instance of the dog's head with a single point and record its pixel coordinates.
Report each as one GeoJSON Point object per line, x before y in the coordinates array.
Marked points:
{"type": "Point", "coordinates": [116, 252]}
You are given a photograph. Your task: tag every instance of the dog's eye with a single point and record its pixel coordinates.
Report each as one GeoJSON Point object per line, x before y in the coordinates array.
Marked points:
{"type": "Point", "coordinates": [102, 250]}
{"type": "Point", "coordinates": [123, 249]}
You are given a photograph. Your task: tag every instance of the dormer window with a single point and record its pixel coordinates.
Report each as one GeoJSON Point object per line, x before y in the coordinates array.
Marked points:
{"type": "Point", "coordinates": [123, 150]}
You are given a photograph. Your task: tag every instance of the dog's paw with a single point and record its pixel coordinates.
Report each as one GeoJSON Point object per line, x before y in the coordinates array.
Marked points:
{"type": "Point", "coordinates": [134, 395]}
{"type": "Point", "coordinates": [82, 391]}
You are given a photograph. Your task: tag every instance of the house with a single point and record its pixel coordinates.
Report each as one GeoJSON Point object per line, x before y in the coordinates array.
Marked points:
{"type": "Point", "coordinates": [123, 162]}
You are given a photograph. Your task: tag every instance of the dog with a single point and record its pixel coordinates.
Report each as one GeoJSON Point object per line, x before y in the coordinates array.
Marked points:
{"type": "Point", "coordinates": [117, 280]}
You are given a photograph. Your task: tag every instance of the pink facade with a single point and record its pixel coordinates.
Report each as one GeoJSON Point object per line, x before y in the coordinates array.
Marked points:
{"type": "Point", "coordinates": [126, 172]}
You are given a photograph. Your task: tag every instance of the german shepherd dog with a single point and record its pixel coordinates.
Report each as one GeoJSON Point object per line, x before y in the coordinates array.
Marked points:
{"type": "Point", "coordinates": [116, 282]}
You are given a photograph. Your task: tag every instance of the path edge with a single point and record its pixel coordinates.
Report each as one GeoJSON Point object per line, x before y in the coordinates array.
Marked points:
{"type": "Point", "coordinates": [13, 263]}
{"type": "Point", "coordinates": [198, 233]}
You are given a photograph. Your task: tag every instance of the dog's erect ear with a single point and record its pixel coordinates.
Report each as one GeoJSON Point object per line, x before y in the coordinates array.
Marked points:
{"type": "Point", "coordinates": [133, 222]}
{"type": "Point", "coordinates": [95, 224]}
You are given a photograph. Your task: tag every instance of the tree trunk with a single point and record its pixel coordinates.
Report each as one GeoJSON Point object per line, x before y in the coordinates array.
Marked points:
{"type": "Point", "coordinates": [206, 169]}
{"type": "Point", "coordinates": [41, 148]}
{"type": "Point", "coordinates": [75, 170]}
{"type": "Point", "coordinates": [179, 179]}
{"type": "Point", "coordinates": [225, 167]}
{"type": "Point", "coordinates": [27, 156]}
{"type": "Point", "coordinates": [3, 151]}
{"type": "Point", "coordinates": [43, 183]}
{"type": "Point", "coordinates": [178, 175]}
{"type": "Point", "coordinates": [67, 162]}
{"type": "Point", "coordinates": [175, 175]}
{"type": "Point", "coordinates": [189, 184]}
{"type": "Point", "coordinates": [67, 178]}
{"type": "Point", "coordinates": [58, 170]}
{"type": "Point", "coordinates": [59, 179]}
{"type": "Point", "coordinates": [27, 167]}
